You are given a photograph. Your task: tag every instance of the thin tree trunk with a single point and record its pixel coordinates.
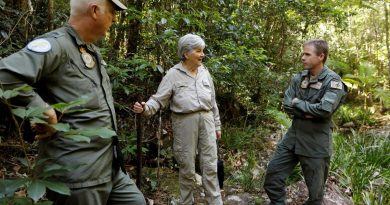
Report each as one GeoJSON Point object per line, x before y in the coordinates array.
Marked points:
{"type": "Point", "coordinates": [50, 15]}
{"type": "Point", "coordinates": [134, 35]}
{"type": "Point", "coordinates": [387, 38]}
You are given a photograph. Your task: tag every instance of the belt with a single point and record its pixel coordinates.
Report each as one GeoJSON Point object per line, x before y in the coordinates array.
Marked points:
{"type": "Point", "coordinates": [192, 112]}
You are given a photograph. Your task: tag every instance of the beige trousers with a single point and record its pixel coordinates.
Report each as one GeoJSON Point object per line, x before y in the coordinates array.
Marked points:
{"type": "Point", "coordinates": [196, 132]}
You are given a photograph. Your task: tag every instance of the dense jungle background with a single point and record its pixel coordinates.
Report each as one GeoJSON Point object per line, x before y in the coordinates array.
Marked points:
{"type": "Point", "coordinates": [253, 49]}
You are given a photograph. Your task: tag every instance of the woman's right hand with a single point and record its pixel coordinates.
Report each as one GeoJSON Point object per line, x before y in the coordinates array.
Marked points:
{"type": "Point", "coordinates": [138, 107]}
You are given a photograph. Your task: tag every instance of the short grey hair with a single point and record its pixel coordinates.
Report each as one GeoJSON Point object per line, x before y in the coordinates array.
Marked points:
{"type": "Point", "coordinates": [189, 42]}
{"type": "Point", "coordinates": [78, 7]}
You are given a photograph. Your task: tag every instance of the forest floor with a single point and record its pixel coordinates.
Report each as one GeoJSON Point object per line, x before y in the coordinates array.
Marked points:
{"type": "Point", "coordinates": [165, 188]}
{"type": "Point", "coordinates": [167, 192]}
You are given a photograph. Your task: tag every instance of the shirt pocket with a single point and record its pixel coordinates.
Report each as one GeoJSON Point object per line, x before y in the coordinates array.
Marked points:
{"type": "Point", "coordinates": [206, 91]}
{"type": "Point", "coordinates": [79, 83]}
{"type": "Point", "coordinates": [181, 88]}
{"type": "Point", "coordinates": [206, 87]}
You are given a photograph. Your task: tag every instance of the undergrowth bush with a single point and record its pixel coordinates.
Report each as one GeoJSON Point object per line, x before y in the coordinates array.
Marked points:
{"type": "Point", "coordinates": [361, 163]}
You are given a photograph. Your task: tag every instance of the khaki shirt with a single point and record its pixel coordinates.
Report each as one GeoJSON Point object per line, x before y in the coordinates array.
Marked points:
{"type": "Point", "coordinates": [310, 133]}
{"type": "Point", "coordinates": [60, 75]}
{"type": "Point", "coordinates": [186, 94]}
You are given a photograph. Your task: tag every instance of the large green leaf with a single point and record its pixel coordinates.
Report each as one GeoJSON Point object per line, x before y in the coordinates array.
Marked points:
{"type": "Point", "coordinates": [79, 138]}
{"type": "Point", "coordinates": [54, 169]}
{"type": "Point", "coordinates": [61, 127]}
{"type": "Point", "coordinates": [65, 107]}
{"type": "Point", "coordinates": [32, 112]}
{"type": "Point", "coordinates": [58, 187]}
{"type": "Point", "coordinates": [20, 112]}
{"type": "Point", "coordinates": [14, 92]}
{"type": "Point", "coordinates": [101, 132]}
{"type": "Point", "coordinates": [8, 187]}
{"type": "Point", "coordinates": [36, 190]}
{"type": "Point", "coordinates": [84, 135]}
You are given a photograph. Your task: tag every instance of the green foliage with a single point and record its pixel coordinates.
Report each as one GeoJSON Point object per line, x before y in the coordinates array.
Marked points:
{"type": "Point", "coordinates": [8, 94]}
{"type": "Point", "coordinates": [280, 117]}
{"type": "Point", "coordinates": [37, 184]}
{"type": "Point", "coordinates": [2, 4]}
{"type": "Point", "coordinates": [361, 163]}
{"type": "Point", "coordinates": [237, 138]}
{"type": "Point", "coordinates": [250, 176]}
{"type": "Point", "coordinates": [383, 95]}
{"type": "Point", "coordinates": [358, 115]}
{"type": "Point", "coordinates": [70, 107]}
{"type": "Point", "coordinates": [40, 171]}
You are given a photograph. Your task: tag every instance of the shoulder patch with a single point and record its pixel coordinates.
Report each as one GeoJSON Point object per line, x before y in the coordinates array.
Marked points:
{"type": "Point", "coordinates": [336, 84]}
{"type": "Point", "coordinates": [39, 45]}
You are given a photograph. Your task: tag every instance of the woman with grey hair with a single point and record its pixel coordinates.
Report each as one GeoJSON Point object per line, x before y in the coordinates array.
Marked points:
{"type": "Point", "coordinates": [189, 90]}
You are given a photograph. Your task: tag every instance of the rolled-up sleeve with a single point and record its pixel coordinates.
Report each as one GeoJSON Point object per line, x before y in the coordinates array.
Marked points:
{"type": "Point", "coordinates": [162, 97]}
{"type": "Point", "coordinates": [217, 120]}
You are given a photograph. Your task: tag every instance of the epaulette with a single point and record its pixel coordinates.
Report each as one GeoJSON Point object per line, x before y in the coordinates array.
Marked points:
{"type": "Point", "coordinates": [53, 34]}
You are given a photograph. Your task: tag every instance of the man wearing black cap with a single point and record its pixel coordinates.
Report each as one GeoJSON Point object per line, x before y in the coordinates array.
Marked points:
{"type": "Point", "coordinates": [62, 66]}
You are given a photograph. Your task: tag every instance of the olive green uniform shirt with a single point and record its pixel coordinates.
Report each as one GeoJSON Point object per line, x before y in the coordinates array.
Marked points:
{"type": "Point", "coordinates": [310, 132]}
{"type": "Point", "coordinates": [186, 94]}
{"type": "Point", "coordinates": [60, 75]}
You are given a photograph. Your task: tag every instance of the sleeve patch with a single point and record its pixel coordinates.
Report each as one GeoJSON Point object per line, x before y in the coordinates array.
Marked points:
{"type": "Point", "coordinates": [39, 46]}
{"type": "Point", "coordinates": [329, 101]}
{"type": "Point", "coordinates": [336, 85]}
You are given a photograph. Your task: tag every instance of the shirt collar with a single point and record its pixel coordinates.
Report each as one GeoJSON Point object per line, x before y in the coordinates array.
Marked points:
{"type": "Point", "coordinates": [77, 39]}
{"type": "Point", "coordinates": [321, 76]}
{"type": "Point", "coordinates": [181, 68]}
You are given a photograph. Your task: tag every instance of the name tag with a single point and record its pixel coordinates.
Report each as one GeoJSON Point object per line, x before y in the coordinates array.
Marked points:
{"type": "Point", "coordinates": [316, 86]}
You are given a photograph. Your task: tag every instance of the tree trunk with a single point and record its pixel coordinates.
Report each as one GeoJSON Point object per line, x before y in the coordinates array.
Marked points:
{"type": "Point", "coordinates": [134, 35]}
{"type": "Point", "coordinates": [50, 15]}
{"type": "Point", "coordinates": [387, 38]}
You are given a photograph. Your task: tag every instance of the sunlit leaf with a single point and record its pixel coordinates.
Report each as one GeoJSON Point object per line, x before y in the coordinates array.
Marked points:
{"type": "Point", "coordinates": [185, 19]}
{"type": "Point", "coordinates": [163, 21]}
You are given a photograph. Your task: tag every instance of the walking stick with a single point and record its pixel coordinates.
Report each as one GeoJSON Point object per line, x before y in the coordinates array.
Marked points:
{"type": "Point", "coordinates": [140, 132]}
{"type": "Point", "coordinates": [158, 147]}
{"type": "Point", "coordinates": [220, 168]}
